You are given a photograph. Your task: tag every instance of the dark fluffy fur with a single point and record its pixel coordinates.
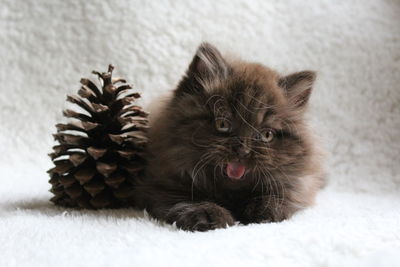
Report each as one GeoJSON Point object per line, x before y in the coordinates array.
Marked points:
{"type": "Point", "coordinates": [186, 180]}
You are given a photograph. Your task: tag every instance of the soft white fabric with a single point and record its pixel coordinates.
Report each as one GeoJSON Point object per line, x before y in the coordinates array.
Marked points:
{"type": "Point", "coordinates": [46, 46]}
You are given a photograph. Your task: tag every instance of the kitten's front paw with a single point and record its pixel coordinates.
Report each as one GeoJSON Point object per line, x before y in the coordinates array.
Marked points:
{"type": "Point", "coordinates": [260, 211]}
{"type": "Point", "coordinates": [199, 216]}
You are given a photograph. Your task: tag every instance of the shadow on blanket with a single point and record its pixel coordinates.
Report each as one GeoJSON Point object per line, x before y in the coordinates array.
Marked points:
{"type": "Point", "coordinates": [45, 207]}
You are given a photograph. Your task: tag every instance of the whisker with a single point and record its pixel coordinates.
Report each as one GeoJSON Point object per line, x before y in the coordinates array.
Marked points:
{"type": "Point", "coordinates": [246, 108]}
{"type": "Point", "coordinates": [272, 179]}
{"type": "Point", "coordinates": [266, 106]}
{"type": "Point", "coordinates": [245, 121]}
{"type": "Point", "coordinates": [203, 159]}
{"type": "Point", "coordinates": [270, 193]}
{"type": "Point", "coordinates": [282, 185]}
{"type": "Point", "coordinates": [211, 97]}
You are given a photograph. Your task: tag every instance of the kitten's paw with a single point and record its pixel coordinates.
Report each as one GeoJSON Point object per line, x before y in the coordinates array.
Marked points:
{"type": "Point", "coordinates": [258, 211]}
{"type": "Point", "coordinates": [200, 216]}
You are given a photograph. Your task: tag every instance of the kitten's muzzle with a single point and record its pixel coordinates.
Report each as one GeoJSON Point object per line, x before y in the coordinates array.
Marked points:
{"type": "Point", "coordinates": [242, 149]}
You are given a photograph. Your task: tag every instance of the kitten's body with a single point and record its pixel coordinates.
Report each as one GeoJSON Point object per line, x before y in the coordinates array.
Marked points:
{"type": "Point", "coordinates": [195, 175]}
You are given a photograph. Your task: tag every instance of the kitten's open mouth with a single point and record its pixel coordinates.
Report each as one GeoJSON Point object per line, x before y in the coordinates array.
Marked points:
{"type": "Point", "coordinates": [235, 170]}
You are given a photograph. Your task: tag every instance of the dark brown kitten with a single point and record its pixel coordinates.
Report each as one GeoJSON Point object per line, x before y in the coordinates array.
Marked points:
{"type": "Point", "coordinates": [231, 145]}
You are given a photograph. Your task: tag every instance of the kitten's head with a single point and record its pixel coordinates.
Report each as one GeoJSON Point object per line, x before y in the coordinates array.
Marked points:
{"type": "Point", "coordinates": [236, 120]}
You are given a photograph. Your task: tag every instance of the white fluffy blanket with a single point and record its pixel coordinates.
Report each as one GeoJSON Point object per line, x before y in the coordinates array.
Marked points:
{"type": "Point", "coordinates": [46, 46]}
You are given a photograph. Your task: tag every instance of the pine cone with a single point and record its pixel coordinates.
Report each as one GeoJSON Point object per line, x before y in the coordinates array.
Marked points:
{"type": "Point", "coordinates": [101, 151]}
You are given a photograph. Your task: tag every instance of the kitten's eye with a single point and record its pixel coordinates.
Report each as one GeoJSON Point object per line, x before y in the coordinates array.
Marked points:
{"type": "Point", "coordinates": [222, 125]}
{"type": "Point", "coordinates": [268, 135]}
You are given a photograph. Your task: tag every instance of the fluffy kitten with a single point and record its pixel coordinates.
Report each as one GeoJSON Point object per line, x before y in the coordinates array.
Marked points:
{"type": "Point", "coordinates": [231, 145]}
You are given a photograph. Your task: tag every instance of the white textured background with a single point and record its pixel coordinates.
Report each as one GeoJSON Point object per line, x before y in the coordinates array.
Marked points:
{"type": "Point", "coordinates": [46, 46]}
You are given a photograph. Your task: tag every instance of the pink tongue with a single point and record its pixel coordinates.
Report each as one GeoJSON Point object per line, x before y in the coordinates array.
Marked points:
{"type": "Point", "coordinates": [235, 170]}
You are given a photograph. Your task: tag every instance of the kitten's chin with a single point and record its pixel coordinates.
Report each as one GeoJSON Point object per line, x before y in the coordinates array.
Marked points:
{"type": "Point", "coordinates": [235, 170]}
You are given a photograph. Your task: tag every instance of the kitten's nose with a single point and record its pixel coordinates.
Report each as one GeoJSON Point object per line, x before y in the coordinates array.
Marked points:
{"type": "Point", "coordinates": [242, 149]}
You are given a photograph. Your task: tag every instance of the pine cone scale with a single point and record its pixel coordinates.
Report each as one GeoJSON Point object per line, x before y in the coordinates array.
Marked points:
{"type": "Point", "coordinates": [96, 153]}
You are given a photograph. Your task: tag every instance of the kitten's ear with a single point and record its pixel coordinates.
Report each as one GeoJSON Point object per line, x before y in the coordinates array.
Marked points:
{"type": "Point", "coordinates": [208, 63]}
{"type": "Point", "coordinates": [207, 66]}
{"type": "Point", "coordinates": [298, 87]}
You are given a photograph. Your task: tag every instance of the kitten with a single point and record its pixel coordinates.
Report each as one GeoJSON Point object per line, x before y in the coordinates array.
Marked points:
{"type": "Point", "coordinates": [231, 145]}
